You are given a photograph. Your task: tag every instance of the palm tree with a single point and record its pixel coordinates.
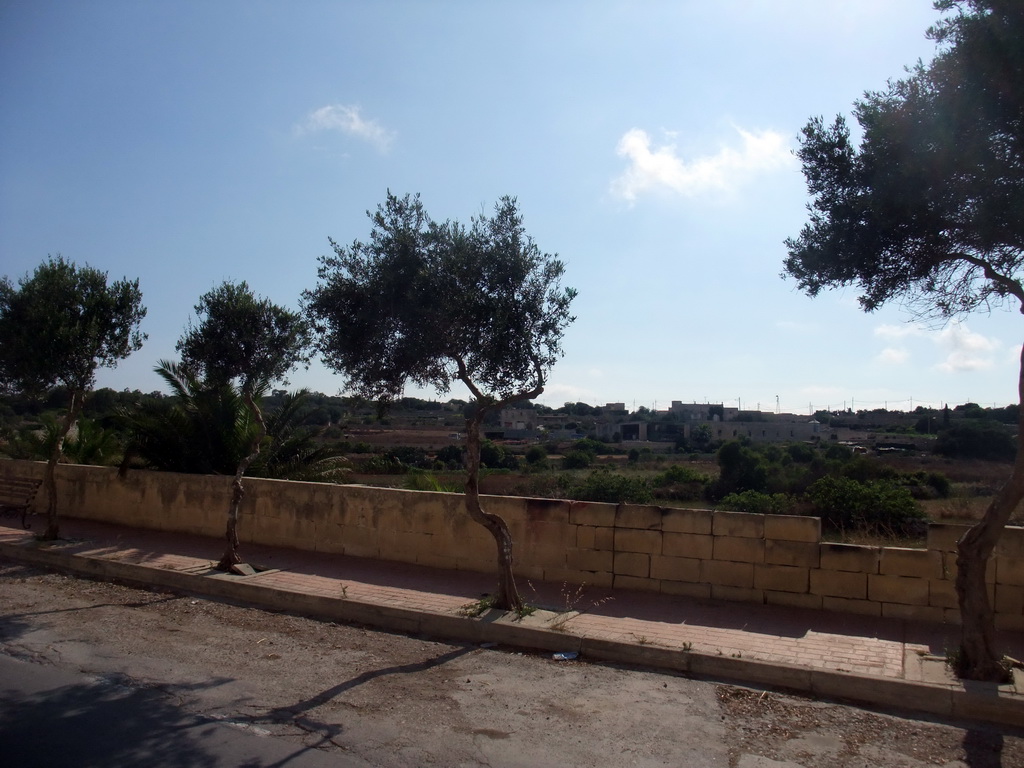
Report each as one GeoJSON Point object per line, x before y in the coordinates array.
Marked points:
{"type": "Point", "coordinates": [208, 429]}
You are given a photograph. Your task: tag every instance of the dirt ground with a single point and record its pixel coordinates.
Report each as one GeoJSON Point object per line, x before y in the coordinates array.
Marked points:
{"type": "Point", "coordinates": [393, 700]}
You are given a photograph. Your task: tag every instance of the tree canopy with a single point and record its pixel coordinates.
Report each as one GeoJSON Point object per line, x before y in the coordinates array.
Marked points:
{"type": "Point", "coordinates": [242, 337]}
{"type": "Point", "coordinates": [435, 303]}
{"type": "Point", "coordinates": [926, 210]}
{"type": "Point", "coordinates": [432, 302]}
{"type": "Point", "coordinates": [57, 327]}
{"type": "Point", "coordinates": [63, 322]}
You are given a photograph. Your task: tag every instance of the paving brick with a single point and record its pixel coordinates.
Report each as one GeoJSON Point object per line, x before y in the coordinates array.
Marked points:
{"type": "Point", "coordinates": [792, 528]}
{"type": "Point", "coordinates": [675, 568]}
{"type": "Point", "coordinates": [687, 545]}
{"type": "Point", "coordinates": [839, 584]}
{"type": "Point", "coordinates": [799, 553]}
{"type": "Point", "coordinates": [636, 540]}
{"type": "Point", "coordinates": [738, 524]}
{"type": "Point", "coordinates": [782, 578]}
{"type": "Point", "coordinates": [687, 520]}
{"type": "Point", "coordinates": [632, 564]}
{"type": "Point", "coordinates": [849, 557]}
{"type": "Point", "coordinates": [737, 549]}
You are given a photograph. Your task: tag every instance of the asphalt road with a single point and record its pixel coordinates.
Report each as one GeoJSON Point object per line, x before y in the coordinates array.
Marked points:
{"type": "Point", "coordinates": [96, 674]}
{"type": "Point", "coordinates": [52, 717]}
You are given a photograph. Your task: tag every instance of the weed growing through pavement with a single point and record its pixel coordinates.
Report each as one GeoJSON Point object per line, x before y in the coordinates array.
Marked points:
{"type": "Point", "coordinates": [485, 603]}
{"type": "Point", "coordinates": [477, 607]}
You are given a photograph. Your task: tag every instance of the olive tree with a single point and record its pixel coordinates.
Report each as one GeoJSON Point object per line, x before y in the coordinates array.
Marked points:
{"type": "Point", "coordinates": [927, 211]}
{"type": "Point", "coordinates": [57, 327]}
{"type": "Point", "coordinates": [248, 342]}
{"type": "Point", "coordinates": [439, 303]}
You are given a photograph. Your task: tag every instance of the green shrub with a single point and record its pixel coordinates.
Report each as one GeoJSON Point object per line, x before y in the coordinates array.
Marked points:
{"type": "Point", "coordinates": [610, 487]}
{"type": "Point", "coordinates": [451, 456]}
{"type": "Point", "coordinates": [678, 473]}
{"type": "Point", "coordinates": [536, 455]}
{"type": "Point", "coordinates": [577, 460]}
{"type": "Point", "coordinates": [425, 481]}
{"type": "Point", "coordinates": [875, 506]}
{"type": "Point", "coordinates": [758, 503]}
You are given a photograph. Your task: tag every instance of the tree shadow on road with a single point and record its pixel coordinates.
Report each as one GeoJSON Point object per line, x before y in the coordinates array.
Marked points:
{"type": "Point", "coordinates": [96, 723]}
{"type": "Point", "coordinates": [983, 748]}
{"type": "Point", "coordinates": [328, 732]}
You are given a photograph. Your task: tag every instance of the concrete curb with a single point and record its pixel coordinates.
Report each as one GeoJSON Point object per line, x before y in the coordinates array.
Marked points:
{"type": "Point", "coordinates": [968, 701]}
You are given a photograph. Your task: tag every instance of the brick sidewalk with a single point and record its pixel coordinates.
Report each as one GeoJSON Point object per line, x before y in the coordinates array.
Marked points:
{"type": "Point", "coordinates": [776, 644]}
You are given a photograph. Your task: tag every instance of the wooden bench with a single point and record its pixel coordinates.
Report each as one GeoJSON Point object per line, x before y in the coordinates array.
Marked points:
{"type": "Point", "coordinates": [16, 495]}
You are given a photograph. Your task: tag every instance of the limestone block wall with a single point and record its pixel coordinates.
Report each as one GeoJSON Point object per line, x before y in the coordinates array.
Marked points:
{"type": "Point", "coordinates": [768, 559]}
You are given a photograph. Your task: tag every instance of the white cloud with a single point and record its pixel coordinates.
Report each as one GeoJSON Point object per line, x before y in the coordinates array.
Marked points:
{"type": "Point", "coordinates": [966, 350]}
{"type": "Point", "coordinates": [898, 331]}
{"type": "Point", "coordinates": [662, 167]}
{"type": "Point", "coordinates": [347, 119]}
{"type": "Point", "coordinates": [893, 356]}
{"type": "Point", "coordinates": [557, 394]}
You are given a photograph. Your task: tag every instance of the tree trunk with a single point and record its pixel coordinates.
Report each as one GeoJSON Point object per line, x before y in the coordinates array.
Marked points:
{"type": "Point", "coordinates": [231, 556]}
{"type": "Point", "coordinates": [979, 659]}
{"type": "Point", "coordinates": [52, 532]}
{"type": "Point", "coordinates": [507, 596]}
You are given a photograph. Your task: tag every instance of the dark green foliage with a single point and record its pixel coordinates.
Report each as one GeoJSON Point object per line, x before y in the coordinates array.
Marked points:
{"type": "Point", "coordinates": [837, 452]}
{"type": "Point", "coordinates": [759, 503]}
{"type": "Point", "coordinates": [536, 456]}
{"type": "Point", "coordinates": [877, 506]}
{"type": "Point", "coordinates": [986, 440]}
{"type": "Point", "coordinates": [680, 483]}
{"type": "Point", "coordinates": [207, 429]}
{"type": "Point", "coordinates": [576, 459]}
{"type": "Point", "coordinates": [610, 487]}
{"type": "Point", "coordinates": [432, 302]}
{"type": "Point", "coordinates": [679, 473]}
{"type": "Point", "coordinates": [240, 337]}
{"type": "Point", "coordinates": [409, 456]}
{"type": "Point", "coordinates": [741, 469]}
{"type": "Point", "coordinates": [590, 445]}
{"type": "Point", "coordinates": [63, 322]}
{"type": "Point", "coordinates": [451, 456]}
{"type": "Point", "coordinates": [494, 456]}
{"type": "Point", "coordinates": [801, 453]}
{"type": "Point", "coordinates": [928, 485]}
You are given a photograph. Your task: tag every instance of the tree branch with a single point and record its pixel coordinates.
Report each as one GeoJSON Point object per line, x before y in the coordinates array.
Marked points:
{"type": "Point", "coordinates": [1011, 286]}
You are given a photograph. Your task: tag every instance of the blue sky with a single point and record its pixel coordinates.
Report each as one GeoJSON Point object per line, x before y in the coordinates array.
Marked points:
{"type": "Point", "coordinates": [649, 145]}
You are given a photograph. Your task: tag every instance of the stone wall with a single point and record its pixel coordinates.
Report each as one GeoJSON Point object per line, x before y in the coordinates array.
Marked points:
{"type": "Point", "coordinates": [770, 559]}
